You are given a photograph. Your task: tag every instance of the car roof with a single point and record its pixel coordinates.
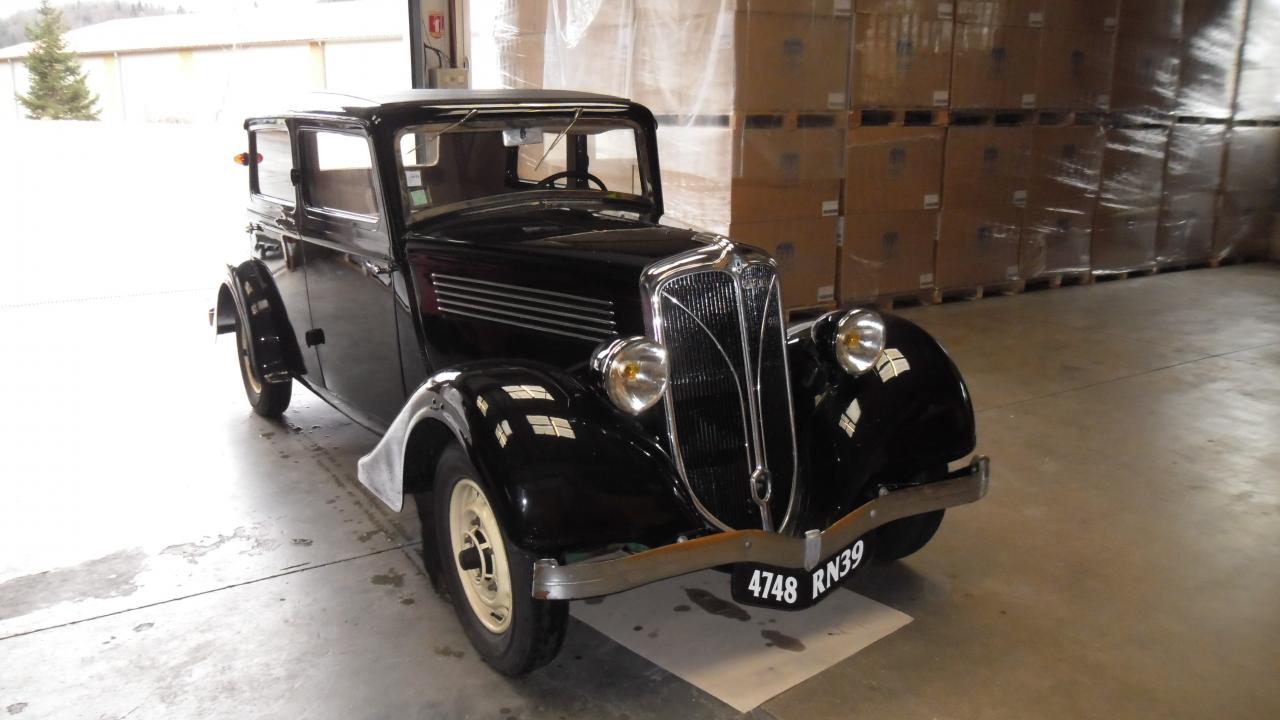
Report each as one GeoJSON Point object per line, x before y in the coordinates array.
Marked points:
{"type": "Point", "coordinates": [365, 106]}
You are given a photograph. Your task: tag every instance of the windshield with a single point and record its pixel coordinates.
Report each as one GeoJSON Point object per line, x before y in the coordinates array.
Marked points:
{"type": "Point", "coordinates": [447, 163]}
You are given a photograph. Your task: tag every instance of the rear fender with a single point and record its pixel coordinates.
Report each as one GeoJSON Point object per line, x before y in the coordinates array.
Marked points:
{"type": "Point", "coordinates": [890, 426]}
{"type": "Point", "coordinates": [250, 295]}
{"type": "Point", "coordinates": [565, 471]}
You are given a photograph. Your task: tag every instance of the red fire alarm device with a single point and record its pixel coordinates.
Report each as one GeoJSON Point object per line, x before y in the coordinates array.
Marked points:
{"type": "Point", "coordinates": [435, 25]}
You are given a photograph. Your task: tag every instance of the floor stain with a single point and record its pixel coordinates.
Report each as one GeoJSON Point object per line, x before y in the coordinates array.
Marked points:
{"type": "Point", "coordinates": [652, 634]}
{"type": "Point", "coordinates": [782, 642]}
{"type": "Point", "coordinates": [638, 628]}
{"type": "Point", "coordinates": [406, 601]}
{"type": "Point", "coordinates": [109, 576]}
{"type": "Point", "coordinates": [446, 651]}
{"type": "Point", "coordinates": [267, 435]}
{"type": "Point", "coordinates": [394, 578]}
{"type": "Point", "coordinates": [16, 708]}
{"type": "Point", "coordinates": [594, 601]}
{"type": "Point", "coordinates": [143, 626]}
{"type": "Point", "coordinates": [252, 537]}
{"type": "Point", "coordinates": [681, 608]}
{"type": "Point", "coordinates": [716, 606]}
{"type": "Point", "coordinates": [366, 536]}
{"type": "Point", "coordinates": [301, 541]}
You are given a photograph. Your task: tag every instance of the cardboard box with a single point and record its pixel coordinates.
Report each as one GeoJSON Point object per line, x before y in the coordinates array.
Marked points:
{"type": "Point", "coordinates": [1133, 166]}
{"type": "Point", "coordinates": [1256, 97]}
{"type": "Point", "coordinates": [900, 61]}
{"type": "Point", "coordinates": [887, 254]}
{"type": "Point", "coordinates": [771, 155]}
{"type": "Point", "coordinates": [1212, 32]}
{"type": "Point", "coordinates": [806, 254]}
{"type": "Point", "coordinates": [520, 60]}
{"type": "Point", "coordinates": [1146, 74]}
{"type": "Point", "coordinates": [1066, 169]}
{"type": "Point", "coordinates": [757, 62]}
{"type": "Point", "coordinates": [1074, 72]}
{"type": "Point", "coordinates": [1195, 158]}
{"type": "Point", "coordinates": [712, 204]}
{"type": "Point", "coordinates": [1253, 159]}
{"type": "Point", "coordinates": [1012, 13]}
{"type": "Point", "coordinates": [994, 66]}
{"type": "Point", "coordinates": [1088, 15]}
{"type": "Point", "coordinates": [977, 246]}
{"type": "Point", "coordinates": [1124, 237]}
{"type": "Point", "coordinates": [1185, 235]}
{"type": "Point", "coordinates": [1055, 240]}
{"type": "Point", "coordinates": [893, 168]}
{"type": "Point", "coordinates": [1152, 18]}
{"type": "Point", "coordinates": [986, 167]}
{"type": "Point", "coordinates": [932, 9]}
{"type": "Point", "coordinates": [1243, 229]}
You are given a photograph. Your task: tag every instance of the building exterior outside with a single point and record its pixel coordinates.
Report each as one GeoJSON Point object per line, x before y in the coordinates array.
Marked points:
{"type": "Point", "coordinates": [219, 67]}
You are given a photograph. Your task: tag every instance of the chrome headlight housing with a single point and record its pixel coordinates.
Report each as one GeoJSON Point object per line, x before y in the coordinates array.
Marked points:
{"type": "Point", "coordinates": [859, 340]}
{"type": "Point", "coordinates": [633, 373]}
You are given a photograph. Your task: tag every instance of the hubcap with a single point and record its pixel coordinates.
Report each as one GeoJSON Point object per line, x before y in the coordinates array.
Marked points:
{"type": "Point", "coordinates": [480, 556]}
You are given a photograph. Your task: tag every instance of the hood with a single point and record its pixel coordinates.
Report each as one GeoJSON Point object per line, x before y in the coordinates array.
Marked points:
{"type": "Point", "coordinates": [551, 249]}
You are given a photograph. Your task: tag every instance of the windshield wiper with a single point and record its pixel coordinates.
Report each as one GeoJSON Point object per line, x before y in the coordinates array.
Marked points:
{"type": "Point", "coordinates": [465, 118]}
{"type": "Point", "coordinates": [555, 142]}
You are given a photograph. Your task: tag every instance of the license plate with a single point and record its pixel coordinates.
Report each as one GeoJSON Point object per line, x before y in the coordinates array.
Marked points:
{"type": "Point", "coordinates": [794, 589]}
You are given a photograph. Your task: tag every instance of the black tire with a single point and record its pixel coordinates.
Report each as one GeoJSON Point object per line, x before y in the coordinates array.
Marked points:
{"type": "Point", "coordinates": [905, 536]}
{"type": "Point", "coordinates": [534, 629]}
{"type": "Point", "coordinates": [268, 399]}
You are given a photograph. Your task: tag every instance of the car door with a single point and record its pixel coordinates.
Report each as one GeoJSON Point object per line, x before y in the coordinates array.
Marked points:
{"type": "Point", "coordinates": [273, 229]}
{"type": "Point", "coordinates": [350, 274]}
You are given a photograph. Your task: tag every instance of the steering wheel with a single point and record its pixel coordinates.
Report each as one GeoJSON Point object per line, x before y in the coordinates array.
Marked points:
{"type": "Point", "coordinates": [548, 180]}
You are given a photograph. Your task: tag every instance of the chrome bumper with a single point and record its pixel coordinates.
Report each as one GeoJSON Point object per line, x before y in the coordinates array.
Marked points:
{"type": "Point", "coordinates": [590, 578]}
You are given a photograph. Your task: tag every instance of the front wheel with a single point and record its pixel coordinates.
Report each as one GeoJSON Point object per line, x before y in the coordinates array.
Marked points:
{"type": "Point", "coordinates": [268, 399]}
{"type": "Point", "coordinates": [488, 577]}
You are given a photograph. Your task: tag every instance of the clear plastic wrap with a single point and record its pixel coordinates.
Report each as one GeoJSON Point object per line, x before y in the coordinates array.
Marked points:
{"type": "Point", "coordinates": [1258, 96]}
{"type": "Point", "coordinates": [994, 66]}
{"type": "Point", "coordinates": [1211, 34]}
{"type": "Point", "coordinates": [1074, 69]}
{"type": "Point", "coordinates": [1245, 224]}
{"type": "Point", "coordinates": [1145, 80]}
{"type": "Point", "coordinates": [984, 193]}
{"type": "Point", "coordinates": [893, 188]}
{"type": "Point", "coordinates": [1151, 18]}
{"type": "Point", "coordinates": [1066, 163]}
{"type": "Point", "coordinates": [1127, 219]}
{"type": "Point", "coordinates": [901, 60]}
{"type": "Point", "coordinates": [1193, 174]}
{"type": "Point", "coordinates": [1253, 157]}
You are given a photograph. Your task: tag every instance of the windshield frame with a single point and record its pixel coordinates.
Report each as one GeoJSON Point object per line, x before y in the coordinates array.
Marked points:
{"type": "Point", "coordinates": [646, 161]}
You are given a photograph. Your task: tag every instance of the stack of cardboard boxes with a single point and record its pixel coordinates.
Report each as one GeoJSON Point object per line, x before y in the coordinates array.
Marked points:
{"type": "Point", "coordinates": [988, 140]}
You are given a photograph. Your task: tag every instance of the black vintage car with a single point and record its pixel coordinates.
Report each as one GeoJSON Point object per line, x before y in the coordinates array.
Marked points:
{"type": "Point", "coordinates": [580, 399]}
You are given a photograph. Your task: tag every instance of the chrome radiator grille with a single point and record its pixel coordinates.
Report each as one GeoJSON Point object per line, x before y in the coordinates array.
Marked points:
{"type": "Point", "coordinates": [729, 403]}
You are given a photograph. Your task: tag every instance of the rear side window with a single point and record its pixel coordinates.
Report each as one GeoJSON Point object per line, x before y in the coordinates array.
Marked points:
{"type": "Point", "coordinates": [271, 172]}
{"type": "Point", "coordinates": [338, 173]}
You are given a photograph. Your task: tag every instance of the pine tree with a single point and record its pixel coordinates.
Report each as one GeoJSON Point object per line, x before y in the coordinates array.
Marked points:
{"type": "Point", "coordinates": [58, 88]}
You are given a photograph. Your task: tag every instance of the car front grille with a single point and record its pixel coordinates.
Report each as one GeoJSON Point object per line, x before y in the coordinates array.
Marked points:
{"type": "Point", "coordinates": [728, 405]}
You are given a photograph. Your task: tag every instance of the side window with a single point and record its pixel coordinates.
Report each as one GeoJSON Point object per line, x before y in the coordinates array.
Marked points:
{"type": "Point", "coordinates": [271, 171]}
{"type": "Point", "coordinates": [338, 173]}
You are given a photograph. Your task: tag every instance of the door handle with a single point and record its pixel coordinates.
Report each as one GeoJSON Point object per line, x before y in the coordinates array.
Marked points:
{"type": "Point", "coordinates": [377, 269]}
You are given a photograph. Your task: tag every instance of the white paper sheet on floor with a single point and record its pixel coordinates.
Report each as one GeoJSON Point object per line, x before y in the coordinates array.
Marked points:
{"type": "Point", "coordinates": [745, 655]}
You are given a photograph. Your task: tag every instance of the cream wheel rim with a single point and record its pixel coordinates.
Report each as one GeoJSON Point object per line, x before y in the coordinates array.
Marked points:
{"type": "Point", "coordinates": [474, 534]}
{"type": "Point", "coordinates": [248, 365]}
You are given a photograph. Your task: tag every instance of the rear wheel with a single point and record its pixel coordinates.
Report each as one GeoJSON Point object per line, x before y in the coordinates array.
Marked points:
{"type": "Point", "coordinates": [490, 579]}
{"type": "Point", "coordinates": [268, 399]}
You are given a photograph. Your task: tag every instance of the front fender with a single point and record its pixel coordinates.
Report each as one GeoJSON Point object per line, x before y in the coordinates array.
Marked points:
{"type": "Point", "coordinates": [565, 470]}
{"type": "Point", "coordinates": [250, 295]}
{"type": "Point", "coordinates": [892, 425]}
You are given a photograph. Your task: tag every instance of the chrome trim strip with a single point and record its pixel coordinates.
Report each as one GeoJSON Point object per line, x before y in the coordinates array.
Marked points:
{"type": "Point", "coordinates": [552, 581]}
{"type": "Point", "coordinates": [518, 288]}
{"type": "Point", "coordinates": [480, 316]}
{"type": "Point", "coordinates": [448, 295]}
{"type": "Point", "coordinates": [578, 309]}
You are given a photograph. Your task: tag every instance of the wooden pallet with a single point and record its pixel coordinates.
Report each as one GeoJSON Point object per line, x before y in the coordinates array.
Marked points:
{"type": "Point", "coordinates": [784, 120]}
{"type": "Point", "coordinates": [1065, 118]}
{"type": "Point", "coordinates": [977, 292]}
{"type": "Point", "coordinates": [899, 117]}
{"type": "Point", "coordinates": [1055, 280]}
{"type": "Point", "coordinates": [1123, 274]}
{"type": "Point", "coordinates": [1182, 265]}
{"type": "Point", "coordinates": [994, 117]}
{"type": "Point", "coordinates": [1230, 260]}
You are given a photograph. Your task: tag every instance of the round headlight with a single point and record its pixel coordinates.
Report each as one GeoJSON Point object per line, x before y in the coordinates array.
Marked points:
{"type": "Point", "coordinates": [859, 339]}
{"type": "Point", "coordinates": [633, 372]}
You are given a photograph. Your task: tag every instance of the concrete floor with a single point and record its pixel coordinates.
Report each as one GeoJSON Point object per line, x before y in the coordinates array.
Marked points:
{"type": "Point", "coordinates": [166, 554]}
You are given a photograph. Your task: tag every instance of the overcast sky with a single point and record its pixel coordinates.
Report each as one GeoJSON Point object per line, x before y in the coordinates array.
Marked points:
{"type": "Point", "coordinates": [8, 7]}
